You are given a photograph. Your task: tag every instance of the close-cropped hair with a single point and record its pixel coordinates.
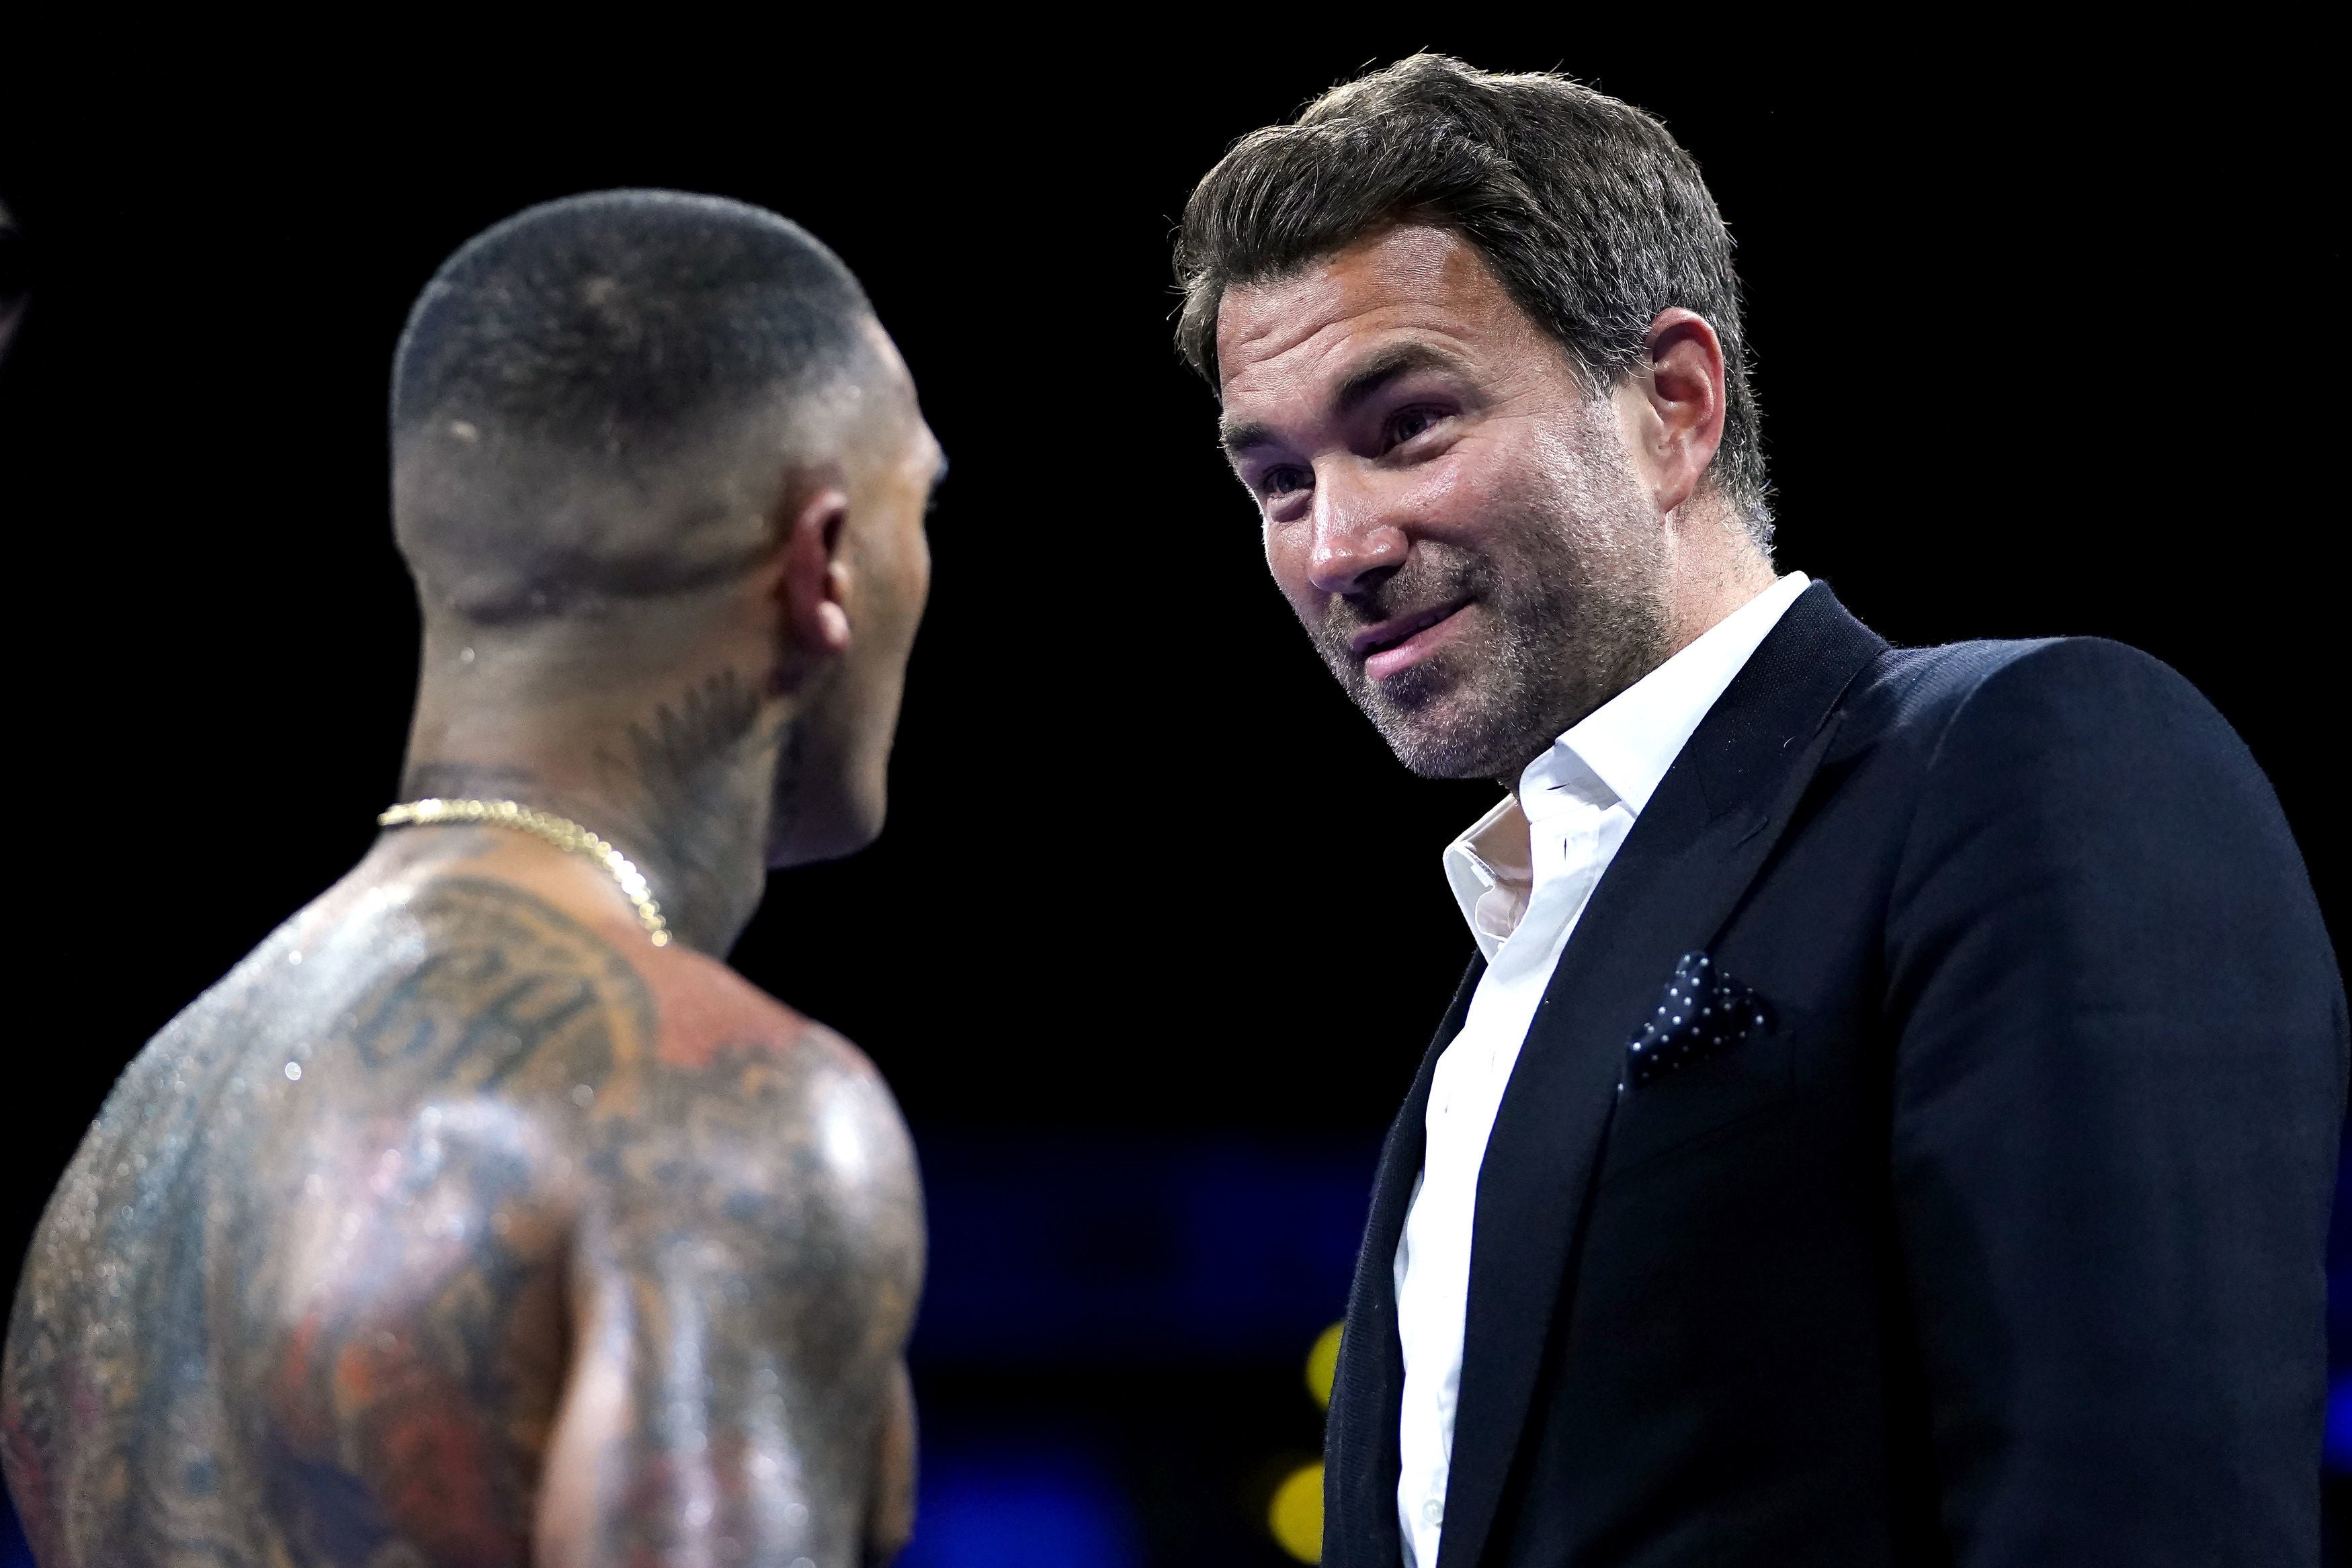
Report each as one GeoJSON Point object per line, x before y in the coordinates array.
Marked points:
{"type": "Point", "coordinates": [1591, 216]}
{"type": "Point", "coordinates": [625, 316]}
{"type": "Point", "coordinates": [573, 382]}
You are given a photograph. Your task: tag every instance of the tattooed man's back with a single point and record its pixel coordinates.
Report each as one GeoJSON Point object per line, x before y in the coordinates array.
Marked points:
{"type": "Point", "coordinates": [442, 1179]}
{"type": "Point", "coordinates": [480, 1216]}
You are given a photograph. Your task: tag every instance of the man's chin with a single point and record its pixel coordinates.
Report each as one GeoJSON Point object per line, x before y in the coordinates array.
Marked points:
{"type": "Point", "coordinates": [1437, 743]}
{"type": "Point", "coordinates": [832, 827]}
{"type": "Point", "coordinates": [1438, 721]}
{"type": "Point", "coordinates": [836, 840]}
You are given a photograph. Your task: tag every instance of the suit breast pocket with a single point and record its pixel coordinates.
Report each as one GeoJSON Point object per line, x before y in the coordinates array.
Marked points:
{"type": "Point", "coordinates": [1716, 1097]}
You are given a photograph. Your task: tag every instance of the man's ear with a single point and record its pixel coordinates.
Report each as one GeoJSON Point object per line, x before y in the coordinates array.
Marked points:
{"type": "Point", "coordinates": [1683, 386]}
{"type": "Point", "coordinates": [815, 584]}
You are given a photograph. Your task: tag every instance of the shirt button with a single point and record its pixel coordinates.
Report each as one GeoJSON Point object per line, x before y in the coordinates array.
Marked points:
{"type": "Point", "coordinates": [1434, 1511]}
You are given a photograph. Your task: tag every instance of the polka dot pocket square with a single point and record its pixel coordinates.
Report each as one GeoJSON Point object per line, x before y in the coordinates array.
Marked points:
{"type": "Point", "coordinates": [1704, 1014]}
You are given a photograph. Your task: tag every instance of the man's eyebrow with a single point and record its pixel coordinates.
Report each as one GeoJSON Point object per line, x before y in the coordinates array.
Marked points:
{"type": "Point", "coordinates": [1385, 367]}
{"type": "Point", "coordinates": [1240, 438]}
{"type": "Point", "coordinates": [1361, 386]}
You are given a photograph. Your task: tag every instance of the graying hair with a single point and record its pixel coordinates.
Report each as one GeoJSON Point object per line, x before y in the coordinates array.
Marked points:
{"type": "Point", "coordinates": [1592, 217]}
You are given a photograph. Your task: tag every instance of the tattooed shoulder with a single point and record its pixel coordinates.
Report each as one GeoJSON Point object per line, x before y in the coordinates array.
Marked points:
{"type": "Point", "coordinates": [322, 1284]}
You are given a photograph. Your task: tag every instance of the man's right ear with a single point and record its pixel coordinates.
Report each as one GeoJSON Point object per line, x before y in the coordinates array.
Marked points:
{"type": "Point", "coordinates": [815, 584]}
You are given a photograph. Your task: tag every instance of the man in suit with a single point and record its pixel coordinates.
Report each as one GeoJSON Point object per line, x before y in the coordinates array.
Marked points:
{"type": "Point", "coordinates": [1891, 1116]}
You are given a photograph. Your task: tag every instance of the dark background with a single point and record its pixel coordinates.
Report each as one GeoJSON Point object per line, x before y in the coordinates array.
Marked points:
{"type": "Point", "coordinates": [1157, 931]}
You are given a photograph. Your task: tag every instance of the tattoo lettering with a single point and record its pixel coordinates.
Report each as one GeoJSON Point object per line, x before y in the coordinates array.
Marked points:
{"type": "Point", "coordinates": [461, 1227]}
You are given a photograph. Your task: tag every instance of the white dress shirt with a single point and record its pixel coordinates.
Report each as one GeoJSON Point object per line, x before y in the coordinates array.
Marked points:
{"type": "Point", "coordinates": [1523, 874]}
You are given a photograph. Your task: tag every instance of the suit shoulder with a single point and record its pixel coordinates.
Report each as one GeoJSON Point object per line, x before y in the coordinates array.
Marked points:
{"type": "Point", "coordinates": [2087, 754]}
{"type": "Point", "coordinates": [2090, 690]}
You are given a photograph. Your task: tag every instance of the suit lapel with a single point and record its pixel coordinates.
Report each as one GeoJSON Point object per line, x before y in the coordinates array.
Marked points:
{"type": "Point", "coordinates": [1359, 1441]}
{"type": "Point", "coordinates": [1691, 855]}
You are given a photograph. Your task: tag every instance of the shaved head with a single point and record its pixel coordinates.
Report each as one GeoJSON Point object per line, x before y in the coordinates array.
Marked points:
{"type": "Point", "coordinates": [597, 401]}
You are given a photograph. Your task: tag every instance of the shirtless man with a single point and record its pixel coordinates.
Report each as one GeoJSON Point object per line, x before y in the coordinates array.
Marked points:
{"type": "Point", "coordinates": [481, 1216]}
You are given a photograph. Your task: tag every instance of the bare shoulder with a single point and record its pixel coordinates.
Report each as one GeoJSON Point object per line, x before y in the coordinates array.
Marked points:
{"type": "Point", "coordinates": [326, 1239]}
{"type": "Point", "coordinates": [749, 1089]}
{"type": "Point", "coordinates": [708, 1011]}
{"type": "Point", "coordinates": [751, 1254]}
{"type": "Point", "coordinates": [674, 1086]}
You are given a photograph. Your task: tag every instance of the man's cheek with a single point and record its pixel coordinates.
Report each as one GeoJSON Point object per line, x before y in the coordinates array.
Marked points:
{"type": "Point", "coordinates": [1288, 564]}
{"type": "Point", "coordinates": [1279, 551]}
{"type": "Point", "coordinates": [1457, 494]}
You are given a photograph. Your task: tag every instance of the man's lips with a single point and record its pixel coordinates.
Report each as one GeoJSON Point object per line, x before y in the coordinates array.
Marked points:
{"type": "Point", "coordinates": [1402, 640]}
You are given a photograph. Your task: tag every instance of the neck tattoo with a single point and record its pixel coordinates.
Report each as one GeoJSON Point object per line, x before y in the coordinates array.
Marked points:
{"type": "Point", "coordinates": [562, 832]}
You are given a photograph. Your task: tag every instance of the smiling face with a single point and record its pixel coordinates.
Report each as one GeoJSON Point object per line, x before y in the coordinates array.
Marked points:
{"type": "Point", "coordinates": [1454, 518]}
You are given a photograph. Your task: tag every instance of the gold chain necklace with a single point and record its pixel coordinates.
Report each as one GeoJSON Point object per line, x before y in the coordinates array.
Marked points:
{"type": "Point", "coordinates": [562, 832]}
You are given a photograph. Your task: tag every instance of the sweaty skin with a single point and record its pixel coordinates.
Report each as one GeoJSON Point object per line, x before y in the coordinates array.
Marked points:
{"type": "Point", "coordinates": [460, 1225]}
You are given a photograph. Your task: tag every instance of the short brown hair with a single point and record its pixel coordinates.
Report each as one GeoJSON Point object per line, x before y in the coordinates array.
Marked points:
{"type": "Point", "coordinates": [1593, 217]}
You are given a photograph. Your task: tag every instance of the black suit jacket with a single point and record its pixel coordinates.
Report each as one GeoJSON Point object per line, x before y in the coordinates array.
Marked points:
{"type": "Point", "coordinates": [2002, 1245]}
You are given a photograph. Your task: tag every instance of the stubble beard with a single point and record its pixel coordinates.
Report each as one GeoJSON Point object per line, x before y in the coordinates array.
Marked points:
{"type": "Point", "coordinates": [1570, 598]}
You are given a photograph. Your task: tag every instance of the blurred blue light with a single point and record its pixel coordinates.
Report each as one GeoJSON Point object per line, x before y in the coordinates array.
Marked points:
{"type": "Point", "coordinates": [1077, 1250]}
{"type": "Point", "coordinates": [2337, 1453]}
{"type": "Point", "coordinates": [14, 1552]}
{"type": "Point", "coordinates": [1016, 1509]}
{"type": "Point", "coordinates": [2340, 1265]}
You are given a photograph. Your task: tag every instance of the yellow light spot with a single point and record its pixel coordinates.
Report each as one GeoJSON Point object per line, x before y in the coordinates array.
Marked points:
{"type": "Point", "coordinates": [1323, 1363]}
{"type": "Point", "coordinates": [1297, 1516]}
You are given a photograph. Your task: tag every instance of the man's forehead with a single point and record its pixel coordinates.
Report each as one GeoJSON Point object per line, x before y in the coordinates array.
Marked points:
{"type": "Point", "coordinates": [1403, 279]}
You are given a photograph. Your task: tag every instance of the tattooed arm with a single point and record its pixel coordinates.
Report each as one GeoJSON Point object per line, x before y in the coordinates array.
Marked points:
{"type": "Point", "coordinates": [746, 1277]}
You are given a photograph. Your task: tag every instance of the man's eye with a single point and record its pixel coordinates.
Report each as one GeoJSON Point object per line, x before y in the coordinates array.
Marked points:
{"type": "Point", "coordinates": [1408, 422]}
{"type": "Point", "coordinates": [1285, 480]}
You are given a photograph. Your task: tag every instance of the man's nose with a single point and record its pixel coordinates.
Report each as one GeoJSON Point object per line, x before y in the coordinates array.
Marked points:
{"type": "Point", "coordinates": [1357, 539]}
